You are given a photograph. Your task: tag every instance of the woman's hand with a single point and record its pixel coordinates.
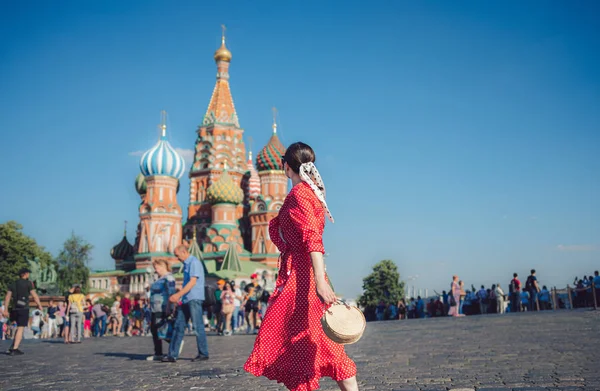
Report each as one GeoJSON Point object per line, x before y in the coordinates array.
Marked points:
{"type": "Point", "coordinates": [325, 292]}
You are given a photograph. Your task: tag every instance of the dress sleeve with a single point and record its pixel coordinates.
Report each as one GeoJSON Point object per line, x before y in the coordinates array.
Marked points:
{"type": "Point", "coordinates": [308, 219]}
{"type": "Point", "coordinates": [274, 234]}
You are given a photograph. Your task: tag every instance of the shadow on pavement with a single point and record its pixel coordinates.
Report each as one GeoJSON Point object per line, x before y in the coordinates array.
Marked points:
{"type": "Point", "coordinates": [131, 356]}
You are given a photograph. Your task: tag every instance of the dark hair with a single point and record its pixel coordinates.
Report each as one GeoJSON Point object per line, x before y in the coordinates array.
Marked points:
{"type": "Point", "coordinates": [77, 289]}
{"type": "Point", "coordinates": [532, 271]}
{"type": "Point", "coordinates": [515, 275]}
{"type": "Point", "coordinates": [298, 153]}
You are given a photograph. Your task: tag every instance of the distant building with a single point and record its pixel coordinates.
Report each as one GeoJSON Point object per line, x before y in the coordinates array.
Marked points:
{"type": "Point", "coordinates": [230, 205]}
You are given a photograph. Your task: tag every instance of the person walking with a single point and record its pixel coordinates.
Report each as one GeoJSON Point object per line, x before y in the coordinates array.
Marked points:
{"type": "Point", "coordinates": [291, 346]}
{"type": "Point", "coordinates": [75, 311]}
{"type": "Point", "coordinates": [191, 295]}
{"type": "Point", "coordinates": [160, 291]}
{"type": "Point", "coordinates": [19, 292]}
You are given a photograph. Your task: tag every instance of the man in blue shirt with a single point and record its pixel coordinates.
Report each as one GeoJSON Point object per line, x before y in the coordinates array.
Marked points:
{"type": "Point", "coordinates": [191, 297]}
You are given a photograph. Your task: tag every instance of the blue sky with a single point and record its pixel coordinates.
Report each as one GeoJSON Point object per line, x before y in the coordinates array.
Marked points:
{"type": "Point", "coordinates": [454, 138]}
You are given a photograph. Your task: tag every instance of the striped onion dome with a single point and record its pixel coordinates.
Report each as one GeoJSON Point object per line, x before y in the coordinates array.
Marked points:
{"type": "Point", "coordinates": [162, 159]}
{"type": "Point", "coordinates": [140, 184]}
{"type": "Point", "coordinates": [224, 191]}
{"type": "Point", "coordinates": [254, 180]}
{"type": "Point", "coordinates": [123, 250]}
{"type": "Point", "coordinates": [270, 156]}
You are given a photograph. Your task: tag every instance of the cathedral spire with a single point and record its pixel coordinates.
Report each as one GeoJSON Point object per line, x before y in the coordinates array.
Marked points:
{"type": "Point", "coordinates": [274, 120]}
{"type": "Point", "coordinates": [221, 109]}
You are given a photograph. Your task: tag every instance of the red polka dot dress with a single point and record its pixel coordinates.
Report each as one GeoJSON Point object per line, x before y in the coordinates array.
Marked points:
{"type": "Point", "coordinates": [291, 346]}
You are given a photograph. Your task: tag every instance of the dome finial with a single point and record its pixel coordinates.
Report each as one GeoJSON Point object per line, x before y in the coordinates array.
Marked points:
{"type": "Point", "coordinates": [163, 124]}
{"type": "Point", "coordinates": [274, 120]}
{"type": "Point", "coordinates": [125, 230]}
{"type": "Point", "coordinates": [222, 53]}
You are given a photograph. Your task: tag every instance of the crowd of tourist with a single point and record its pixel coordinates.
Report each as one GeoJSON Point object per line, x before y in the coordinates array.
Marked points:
{"type": "Point", "coordinates": [236, 309]}
{"type": "Point", "coordinates": [518, 297]}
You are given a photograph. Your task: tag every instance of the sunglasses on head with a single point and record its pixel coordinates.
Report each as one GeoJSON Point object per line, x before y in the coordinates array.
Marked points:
{"type": "Point", "coordinates": [282, 161]}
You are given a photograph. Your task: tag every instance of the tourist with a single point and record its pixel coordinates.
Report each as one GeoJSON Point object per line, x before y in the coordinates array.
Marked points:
{"type": "Point", "coordinates": [291, 346]}
{"type": "Point", "coordinates": [3, 321]}
{"type": "Point", "coordinates": [87, 319]}
{"type": "Point", "coordinates": [191, 296]}
{"type": "Point", "coordinates": [531, 286]}
{"type": "Point", "coordinates": [525, 299]}
{"type": "Point", "coordinates": [67, 323]}
{"type": "Point", "coordinates": [499, 299]}
{"type": "Point", "coordinates": [99, 320]}
{"type": "Point", "coordinates": [597, 286]}
{"type": "Point", "coordinates": [544, 299]}
{"type": "Point", "coordinates": [252, 304]}
{"type": "Point", "coordinates": [35, 322]}
{"type": "Point", "coordinates": [454, 298]}
{"type": "Point", "coordinates": [227, 307]}
{"type": "Point", "coordinates": [463, 295]}
{"type": "Point", "coordinates": [268, 285]}
{"type": "Point", "coordinates": [116, 317]}
{"type": "Point", "coordinates": [75, 311]}
{"type": "Point", "coordinates": [218, 318]}
{"type": "Point", "coordinates": [515, 293]}
{"type": "Point", "coordinates": [51, 319]}
{"type": "Point", "coordinates": [19, 292]}
{"type": "Point", "coordinates": [237, 303]}
{"type": "Point", "coordinates": [125, 311]}
{"type": "Point", "coordinates": [401, 309]}
{"type": "Point", "coordinates": [160, 291]}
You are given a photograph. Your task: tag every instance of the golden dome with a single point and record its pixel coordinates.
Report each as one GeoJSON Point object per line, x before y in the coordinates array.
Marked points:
{"type": "Point", "coordinates": [222, 53]}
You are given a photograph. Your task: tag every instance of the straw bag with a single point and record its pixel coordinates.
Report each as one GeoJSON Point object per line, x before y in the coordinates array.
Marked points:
{"type": "Point", "coordinates": [343, 324]}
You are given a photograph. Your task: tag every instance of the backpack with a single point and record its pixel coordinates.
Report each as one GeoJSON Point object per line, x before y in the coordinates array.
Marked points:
{"type": "Point", "coordinates": [511, 286]}
{"type": "Point", "coordinates": [529, 283]}
{"type": "Point", "coordinates": [210, 298]}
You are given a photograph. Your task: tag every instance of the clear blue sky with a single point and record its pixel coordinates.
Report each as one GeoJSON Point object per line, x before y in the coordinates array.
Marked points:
{"type": "Point", "coordinates": [454, 139]}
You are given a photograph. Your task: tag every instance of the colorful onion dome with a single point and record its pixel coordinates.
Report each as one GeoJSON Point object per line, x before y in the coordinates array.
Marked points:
{"type": "Point", "coordinates": [123, 250]}
{"type": "Point", "coordinates": [222, 53]}
{"type": "Point", "coordinates": [224, 191]}
{"type": "Point", "coordinates": [162, 159]}
{"type": "Point", "coordinates": [140, 184]}
{"type": "Point", "coordinates": [270, 156]}
{"type": "Point", "coordinates": [254, 180]}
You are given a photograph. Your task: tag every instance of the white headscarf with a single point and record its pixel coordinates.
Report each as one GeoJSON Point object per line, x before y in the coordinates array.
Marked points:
{"type": "Point", "coordinates": [310, 174]}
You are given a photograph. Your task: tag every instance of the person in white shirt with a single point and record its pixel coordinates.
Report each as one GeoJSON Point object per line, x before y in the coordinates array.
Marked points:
{"type": "Point", "coordinates": [36, 319]}
{"type": "Point", "coordinates": [237, 303]}
{"type": "Point", "coordinates": [499, 299]}
{"type": "Point", "coordinates": [2, 321]}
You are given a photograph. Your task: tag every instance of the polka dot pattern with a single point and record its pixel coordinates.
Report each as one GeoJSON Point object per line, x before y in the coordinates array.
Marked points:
{"type": "Point", "coordinates": [291, 346]}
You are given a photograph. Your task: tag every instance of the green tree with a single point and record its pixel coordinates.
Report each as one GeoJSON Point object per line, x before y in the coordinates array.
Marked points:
{"type": "Point", "coordinates": [382, 284]}
{"type": "Point", "coordinates": [15, 247]}
{"type": "Point", "coordinates": [72, 263]}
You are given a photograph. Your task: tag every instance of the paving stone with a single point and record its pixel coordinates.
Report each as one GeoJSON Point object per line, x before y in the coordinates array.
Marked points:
{"type": "Point", "coordinates": [486, 353]}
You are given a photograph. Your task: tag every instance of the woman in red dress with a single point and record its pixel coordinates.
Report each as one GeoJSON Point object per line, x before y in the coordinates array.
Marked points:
{"type": "Point", "coordinates": [291, 346]}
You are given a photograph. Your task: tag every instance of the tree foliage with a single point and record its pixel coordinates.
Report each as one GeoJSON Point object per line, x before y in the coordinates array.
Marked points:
{"type": "Point", "coordinates": [383, 284]}
{"type": "Point", "coordinates": [15, 248]}
{"type": "Point", "coordinates": [72, 263]}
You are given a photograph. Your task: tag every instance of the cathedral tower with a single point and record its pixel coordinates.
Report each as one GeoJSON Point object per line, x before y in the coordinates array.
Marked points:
{"type": "Point", "coordinates": [266, 206]}
{"type": "Point", "coordinates": [160, 214]}
{"type": "Point", "coordinates": [219, 142]}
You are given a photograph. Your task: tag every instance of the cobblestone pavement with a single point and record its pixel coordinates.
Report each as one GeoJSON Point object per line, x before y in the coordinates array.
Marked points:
{"type": "Point", "coordinates": [536, 351]}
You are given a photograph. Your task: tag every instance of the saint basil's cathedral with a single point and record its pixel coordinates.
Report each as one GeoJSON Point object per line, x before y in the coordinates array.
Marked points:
{"type": "Point", "coordinates": [231, 201]}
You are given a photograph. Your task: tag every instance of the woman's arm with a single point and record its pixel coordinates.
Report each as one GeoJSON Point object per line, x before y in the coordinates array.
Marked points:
{"type": "Point", "coordinates": [323, 288]}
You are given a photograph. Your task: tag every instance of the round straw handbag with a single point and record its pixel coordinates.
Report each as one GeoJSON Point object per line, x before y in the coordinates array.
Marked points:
{"type": "Point", "coordinates": [343, 324]}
